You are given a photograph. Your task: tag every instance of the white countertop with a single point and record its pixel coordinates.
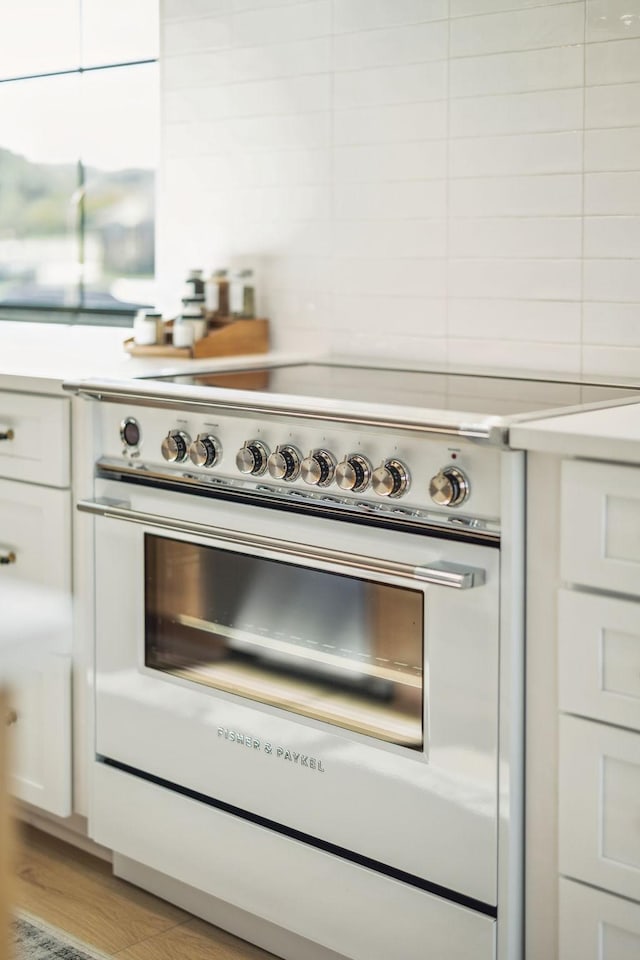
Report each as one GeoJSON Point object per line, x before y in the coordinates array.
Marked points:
{"type": "Point", "coordinates": [607, 434]}
{"type": "Point", "coordinates": [39, 357]}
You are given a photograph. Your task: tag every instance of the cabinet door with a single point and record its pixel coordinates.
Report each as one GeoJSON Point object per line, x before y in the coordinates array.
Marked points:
{"type": "Point", "coordinates": [35, 545]}
{"type": "Point", "coordinates": [40, 735]}
{"type": "Point", "coordinates": [599, 657]}
{"type": "Point", "coordinates": [599, 822]}
{"type": "Point", "coordinates": [597, 926]}
{"type": "Point", "coordinates": [600, 545]}
{"type": "Point", "coordinates": [35, 534]}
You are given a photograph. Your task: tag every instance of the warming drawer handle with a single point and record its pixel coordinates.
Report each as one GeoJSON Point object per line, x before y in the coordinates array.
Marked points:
{"type": "Point", "coordinates": [7, 434]}
{"type": "Point", "coordinates": [440, 573]}
{"type": "Point", "coordinates": [7, 557]}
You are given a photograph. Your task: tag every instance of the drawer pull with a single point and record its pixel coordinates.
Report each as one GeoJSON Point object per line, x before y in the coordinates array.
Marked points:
{"type": "Point", "coordinates": [6, 434]}
{"type": "Point", "coordinates": [7, 556]}
{"type": "Point", "coordinates": [11, 718]}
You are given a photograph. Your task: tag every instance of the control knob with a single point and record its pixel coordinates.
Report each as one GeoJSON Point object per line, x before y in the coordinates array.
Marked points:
{"type": "Point", "coordinates": [353, 473]}
{"type": "Point", "coordinates": [205, 450]}
{"type": "Point", "coordinates": [318, 468]}
{"type": "Point", "coordinates": [175, 446]}
{"type": "Point", "coordinates": [284, 462]}
{"type": "Point", "coordinates": [449, 487]}
{"type": "Point", "coordinates": [252, 458]}
{"type": "Point", "coordinates": [391, 479]}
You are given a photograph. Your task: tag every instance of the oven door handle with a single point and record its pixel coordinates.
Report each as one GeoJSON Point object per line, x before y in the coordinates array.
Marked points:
{"type": "Point", "coordinates": [442, 573]}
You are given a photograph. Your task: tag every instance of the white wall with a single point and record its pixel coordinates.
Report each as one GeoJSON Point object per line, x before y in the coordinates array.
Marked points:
{"type": "Point", "coordinates": [440, 179]}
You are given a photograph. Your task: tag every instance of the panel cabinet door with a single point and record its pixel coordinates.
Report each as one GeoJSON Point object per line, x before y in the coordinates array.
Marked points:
{"type": "Point", "coordinates": [599, 823]}
{"type": "Point", "coordinates": [40, 735]}
{"type": "Point", "coordinates": [35, 548]}
{"type": "Point", "coordinates": [600, 544]}
{"type": "Point", "coordinates": [595, 925]}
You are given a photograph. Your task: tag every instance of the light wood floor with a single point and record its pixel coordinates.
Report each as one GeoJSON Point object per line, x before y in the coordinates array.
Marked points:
{"type": "Point", "coordinates": [70, 889]}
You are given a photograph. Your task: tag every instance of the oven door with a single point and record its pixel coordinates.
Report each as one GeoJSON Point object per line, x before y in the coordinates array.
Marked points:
{"type": "Point", "coordinates": [331, 681]}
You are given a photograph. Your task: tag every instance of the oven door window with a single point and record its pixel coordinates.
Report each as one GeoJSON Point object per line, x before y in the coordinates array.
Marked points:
{"type": "Point", "coordinates": [341, 649]}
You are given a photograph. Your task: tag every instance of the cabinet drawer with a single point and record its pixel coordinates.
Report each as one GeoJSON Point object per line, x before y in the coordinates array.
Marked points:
{"type": "Point", "coordinates": [600, 543]}
{"type": "Point", "coordinates": [599, 657]}
{"type": "Point", "coordinates": [599, 815]}
{"type": "Point", "coordinates": [37, 448]}
{"type": "Point", "coordinates": [596, 925]}
{"type": "Point", "coordinates": [35, 534]}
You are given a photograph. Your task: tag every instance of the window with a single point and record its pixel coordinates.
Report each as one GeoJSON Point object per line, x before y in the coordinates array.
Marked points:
{"type": "Point", "coordinates": [79, 95]}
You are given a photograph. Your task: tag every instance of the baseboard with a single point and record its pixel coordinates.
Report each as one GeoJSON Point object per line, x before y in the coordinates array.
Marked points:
{"type": "Point", "coordinates": [71, 829]}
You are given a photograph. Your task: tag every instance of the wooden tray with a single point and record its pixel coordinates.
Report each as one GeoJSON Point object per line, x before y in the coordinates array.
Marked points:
{"type": "Point", "coordinates": [227, 340]}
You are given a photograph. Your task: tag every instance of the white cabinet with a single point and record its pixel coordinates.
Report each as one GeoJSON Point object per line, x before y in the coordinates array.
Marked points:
{"type": "Point", "coordinates": [599, 723]}
{"type": "Point", "coordinates": [35, 547]}
{"type": "Point", "coordinates": [597, 926]}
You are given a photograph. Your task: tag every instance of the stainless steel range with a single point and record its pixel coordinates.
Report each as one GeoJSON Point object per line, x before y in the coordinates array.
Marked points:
{"type": "Point", "coordinates": [308, 659]}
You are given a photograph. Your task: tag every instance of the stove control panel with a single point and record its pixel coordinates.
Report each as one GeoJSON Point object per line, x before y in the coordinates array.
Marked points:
{"type": "Point", "coordinates": [370, 468]}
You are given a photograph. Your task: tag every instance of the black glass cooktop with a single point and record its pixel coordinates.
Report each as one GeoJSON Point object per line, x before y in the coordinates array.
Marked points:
{"type": "Point", "coordinates": [472, 392]}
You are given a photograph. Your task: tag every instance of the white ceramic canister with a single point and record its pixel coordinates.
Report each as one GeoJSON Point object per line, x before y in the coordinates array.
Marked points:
{"type": "Point", "coordinates": [183, 332]}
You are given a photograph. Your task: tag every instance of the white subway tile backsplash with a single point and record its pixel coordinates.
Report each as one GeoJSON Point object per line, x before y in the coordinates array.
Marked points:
{"type": "Point", "coordinates": [615, 105]}
{"type": "Point", "coordinates": [179, 37]}
{"type": "Point", "coordinates": [278, 24]}
{"type": "Point", "coordinates": [416, 43]}
{"type": "Point", "coordinates": [544, 111]}
{"type": "Point", "coordinates": [612, 20]}
{"type": "Point", "coordinates": [415, 179]}
{"type": "Point", "coordinates": [547, 26]}
{"type": "Point", "coordinates": [549, 196]}
{"type": "Point", "coordinates": [403, 278]}
{"type": "Point", "coordinates": [516, 354]}
{"type": "Point", "coordinates": [615, 324]}
{"type": "Point", "coordinates": [612, 361]}
{"type": "Point", "coordinates": [616, 61]}
{"type": "Point", "coordinates": [616, 149]}
{"type": "Point", "coordinates": [411, 350]}
{"type": "Point", "coordinates": [521, 238]}
{"type": "Point", "coordinates": [207, 70]}
{"type": "Point", "coordinates": [612, 237]}
{"type": "Point", "coordinates": [465, 8]}
{"type": "Point", "coordinates": [420, 160]}
{"type": "Point", "coordinates": [611, 194]}
{"type": "Point", "coordinates": [391, 124]}
{"type": "Point", "coordinates": [270, 97]}
{"type": "Point", "coordinates": [297, 132]}
{"type": "Point", "coordinates": [284, 237]}
{"type": "Point", "coordinates": [356, 15]}
{"type": "Point", "coordinates": [524, 71]}
{"type": "Point", "coordinates": [614, 280]}
{"type": "Point", "coordinates": [288, 203]}
{"type": "Point", "coordinates": [390, 238]}
{"type": "Point", "coordinates": [547, 321]}
{"type": "Point", "coordinates": [196, 104]}
{"type": "Point", "coordinates": [238, 5]}
{"type": "Point", "coordinates": [211, 136]}
{"type": "Point", "coordinates": [515, 279]}
{"type": "Point", "coordinates": [194, 9]}
{"type": "Point", "coordinates": [282, 167]}
{"type": "Point", "coordinates": [513, 155]}
{"type": "Point", "coordinates": [417, 316]}
{"type": "Point", "coordinates": [392, 200]}
{"type": "Point", "coordinates": [386, 85]}
{"type": "Point", "coordinates": [292, 60]}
